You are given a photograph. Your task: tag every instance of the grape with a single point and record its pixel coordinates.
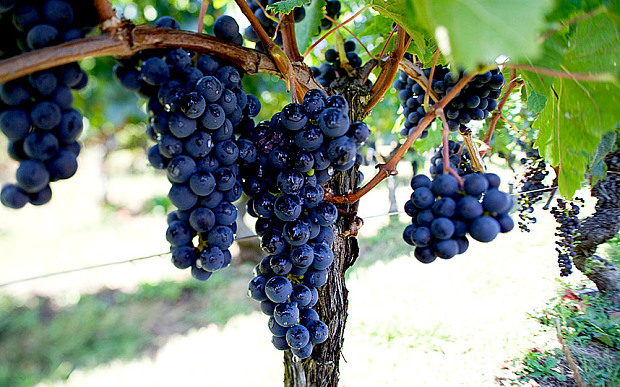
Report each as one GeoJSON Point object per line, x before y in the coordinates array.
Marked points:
{"type": "Point", "coordinates": [221, 236]}
{"type": "Point", "coordinates": [440, 223]}
{"type": "Point", "coordinates": [210, 259]}
{"type": "Point", "coordinates": [183, 257]}
{"type": "Point", "coordinates": [484, 229]}
{"type": "Point", "coordinates": [292, 156]}
{"type": "Point", "coordinates": [178, 233]}
{"type": "Point", "coordinates": [154, 71]}
{"type": "Point", "coordinates": [566, 215]}
{"type": "Point", "coordinates": [442, 228]}
{"type": "Point", "coordinates": [13, 196]}
{"type": "Point", "coordinates": [297, 336]}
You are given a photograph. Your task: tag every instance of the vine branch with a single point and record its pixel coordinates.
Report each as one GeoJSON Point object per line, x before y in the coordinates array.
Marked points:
{"type": "Point", "coordinates": [445, 152]}
{"type": "Point", "coordinates": [352, 34]}
{"type": "Point", "coordinates": [309, 50]}
{"type": "Point", "coordinates": [388, 72]}
{"type": "Point", "coordinates": [389, 168]}
{"type": "Point", "coordinates": [129, 39]}
{"type": "Point", "coordinates": [498, 111]}
{"type": "Point", "coordinates": [204, 4]}
{"type": "Point", "coordinates": [429, 84]}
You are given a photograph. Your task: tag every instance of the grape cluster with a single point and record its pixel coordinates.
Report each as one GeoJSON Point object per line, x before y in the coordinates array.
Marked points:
{"type": "Point", "coordinates": [443, 214]}
{"type": "Point", "coordinates": [36, 113]}
{"type": "Point", "coordinates": [474, 102]}
{"type": "Point", "coordinates": [530, 184]}
{"type": "Point", "coordinates": [566, 214]}
{"type": "Point", "coordinates": [332, 69]}
{"type": "Point", "coordinates": [298, 149]}
{"type": "Point", "coordinates": [195, 104]}
{"type": "Point", "coordinates": [459, 159]}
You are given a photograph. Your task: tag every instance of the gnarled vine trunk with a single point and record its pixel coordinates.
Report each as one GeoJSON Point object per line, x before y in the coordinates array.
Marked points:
{"type": "Point", "coordinates": [322, 368]}
{"type": "Point", "coordinates": [599, 228]}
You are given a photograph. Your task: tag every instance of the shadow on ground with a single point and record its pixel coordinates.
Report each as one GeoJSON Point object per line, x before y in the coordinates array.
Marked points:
{"type": "Point", "coordinates": [41, 340]}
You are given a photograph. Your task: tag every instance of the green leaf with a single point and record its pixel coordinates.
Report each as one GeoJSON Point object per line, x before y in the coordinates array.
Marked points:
{"type": "Point", "coordinates": [597, 165]}
{"type": "Point", "coordinates": [613, 10]}
{"type": "Point", "coordinates": [578, 113]}
{"type": "Point", "coordinates": [550, 58]}
{"type": "Point", "coordinates": [286, 6]}
{"type": "Point", "coordinates": [536, 101]}
{"type": "Point", "coordinates": [400, 11]}
{"type": "Point", "coordinates": [474, 32]}
{"type": "Point", "coordinates": [308, 27]}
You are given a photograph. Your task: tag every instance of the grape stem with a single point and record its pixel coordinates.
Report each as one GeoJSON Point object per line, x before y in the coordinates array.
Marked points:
{"type": "Point", "coordinates": [445, 151]}
{"type": "Point", "coordinates": [389, 168]}
{"type": "Point", "coordinates": [105, 10]}
{"type": "Point", "coordinates": [476, 160]}
{"type": "Point", "coordinates": [352, 34]}
{"type": "Point", "coordinates": [258, 28]}
{"type": "Point", "coordinates": [388, 41]}
{"type": "Point", "coordinates": [309, 50]}
{"type": "Point", "coordinates": [429, 83]}
{"type": "Point", "coordinates": [507, 122]}
{"type": "Point", "coordinates": [551, 195]}
{"type": "Point", "coordinates": [415, 72]}
{"type": "Point", "coordinates": [498, 111]}
{"type": "Point", "coordinates": [289, 42]}
{"type": "Point", "coordinates": [201, 17]}
{"type": "Point", "coordinates": [279, 57]}
{"type": "Point", "coordinates": [287, 26]}
{"type": "Point", "coordinates": [388, 72]}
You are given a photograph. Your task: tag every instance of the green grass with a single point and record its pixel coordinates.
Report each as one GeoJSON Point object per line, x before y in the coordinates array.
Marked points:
{"type": "Point", "coordinates": [41, 340]}
{"type": "Point", "coordinates": [591, 330]}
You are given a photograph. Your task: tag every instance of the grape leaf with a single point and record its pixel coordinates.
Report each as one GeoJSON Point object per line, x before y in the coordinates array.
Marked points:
{"type": "Point", "coordinates": [578, 113]}
{"type": "Point", "coordinates": [536, 101]}
{"type": "Point", "coordinates": [305, 29]}
{"type": "Point", "coordinates": [286, 6]}
{"type": "Point", "coordinates": [400, 11]}
{"type": "Point", "coordinates": [597, 165]}
{"type": "Point", "coordinates": [473, 32]}
{"type": "Point", "coordinates": [554, 48]}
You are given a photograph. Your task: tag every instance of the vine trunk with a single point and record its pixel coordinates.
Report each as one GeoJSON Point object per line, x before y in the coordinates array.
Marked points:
{"type": "Point", "coordinates": [322, 368]}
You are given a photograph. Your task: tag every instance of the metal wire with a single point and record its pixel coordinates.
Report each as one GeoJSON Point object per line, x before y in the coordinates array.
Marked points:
{"type": "Point", "coordinates": [132, 260]}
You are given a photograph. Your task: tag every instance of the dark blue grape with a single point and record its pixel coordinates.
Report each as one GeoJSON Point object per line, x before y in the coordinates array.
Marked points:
{"type": "Point", "coordinates": [333, 122]}
{"type": "Point", "coordinates": [484, 229]}
{"type": "Point", "coordinates": [178, 233]}
{"type": "Point", "coordinates": [278, 289]}
{"type": "Point", "coordinates": [202, 219]}
{"type": "Point", "coordinates": [221, 236]}
{"type": "Point", "coordinates": [13, 196]}
{"type": "Point", "coordinates": [183, 257]}
{"type": "Point", "coordinates": [154, 71]}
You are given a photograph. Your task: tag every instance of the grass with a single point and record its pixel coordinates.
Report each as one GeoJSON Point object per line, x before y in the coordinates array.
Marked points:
{"type": "Point", "coordinates": [591, 330]}
{"type": "Point", "coordinates": [41, 340]}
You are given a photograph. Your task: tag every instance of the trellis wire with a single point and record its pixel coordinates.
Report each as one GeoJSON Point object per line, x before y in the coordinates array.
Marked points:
{"type": "Point", "coordinates": [133, 260]}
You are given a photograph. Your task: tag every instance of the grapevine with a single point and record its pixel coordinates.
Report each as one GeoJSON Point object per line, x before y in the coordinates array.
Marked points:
{"type": "Point", "coordinates": [299, 169]}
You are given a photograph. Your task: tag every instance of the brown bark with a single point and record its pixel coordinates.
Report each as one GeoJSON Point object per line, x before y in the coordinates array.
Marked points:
{"type": "Point", "coordinates": [603, 225]}
{"type": "Point", "coordinates": [127, 40]}
{"type": "Point", "coordinates": [322, 368]}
